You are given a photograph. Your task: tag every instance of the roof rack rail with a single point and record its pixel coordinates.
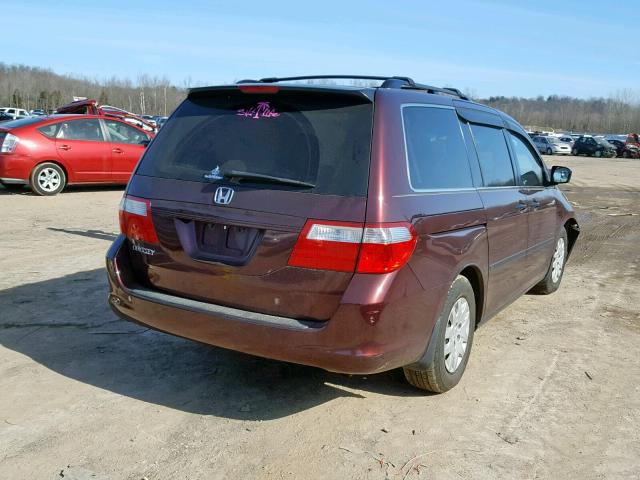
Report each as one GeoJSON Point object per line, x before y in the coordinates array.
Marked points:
{"type": "Point", "coordinates": [320, 77]}
{"type": "Point", "coordinates": [387, 82]}
{"type": "Point", "coordinates": [453, 92]}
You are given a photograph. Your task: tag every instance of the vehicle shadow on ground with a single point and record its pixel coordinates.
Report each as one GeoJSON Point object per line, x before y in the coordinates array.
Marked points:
{"type": "Point", "coordinates": [97, 234]}
{"type": "Point", "coordinates": [68, 190]}
{"type": "Point", "coordinates": [66, 325]}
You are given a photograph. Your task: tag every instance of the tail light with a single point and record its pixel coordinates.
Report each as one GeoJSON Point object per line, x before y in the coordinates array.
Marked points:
{"type": "Point", "coordinates": [9, 143]}
{"type": "Point", "coordinates": [386, 247]}
{"type": "Point", "coordinates": [135, 219]}
{"type": "Point", "coordinates": [348, 247]}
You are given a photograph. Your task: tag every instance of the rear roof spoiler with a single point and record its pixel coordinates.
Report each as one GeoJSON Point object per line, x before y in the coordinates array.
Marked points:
{"type": "Point", "coordinates": [387, 82]}
{"type": "Point", "coordinates": [360, 92]}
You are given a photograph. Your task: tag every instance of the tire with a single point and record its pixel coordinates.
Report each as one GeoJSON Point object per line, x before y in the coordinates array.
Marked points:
{"type": "Point", "coordinates": [625, 154]}
{"type": "Point", "coordinates": [574, 152]}
{"type": "Point", "coordinates": [47, 179]}
{"type": "Point", "coordinates": [549, 151]}
{"type": "Point", "coordinates": [445, 371]}
{"type": "Point", "coordinates": [598, 153]}
{"type": "Point", "coordinates": [13, 187]}
{"type": "Point", "coordinates": [551, 281]}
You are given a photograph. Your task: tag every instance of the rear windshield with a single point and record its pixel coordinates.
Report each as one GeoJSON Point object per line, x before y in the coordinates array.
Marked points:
{"type": "Point", "coordinates": [321, 139]}
{"type": "Point", "coordinates": [21, 122]}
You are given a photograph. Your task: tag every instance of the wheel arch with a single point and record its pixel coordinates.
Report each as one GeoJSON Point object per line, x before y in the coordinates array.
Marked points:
{"type": "Point", "coordinates": [573, 230]}
{"type": "Point", "coordinates": [58, 163]}
{"type": "Point", "coordinates": [474, 275]}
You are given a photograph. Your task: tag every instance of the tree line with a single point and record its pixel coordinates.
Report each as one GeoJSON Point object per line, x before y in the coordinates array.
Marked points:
{"type": "Point", "coordinates": [38, 88]}
{"type": "Point", "coordinates": [33, 87]}
{"type": "Point", "coordinates": [619, 113]}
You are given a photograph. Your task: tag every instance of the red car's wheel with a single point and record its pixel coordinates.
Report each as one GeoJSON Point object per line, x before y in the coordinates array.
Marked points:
{"type": "Point", "coordinates": [47, 179]}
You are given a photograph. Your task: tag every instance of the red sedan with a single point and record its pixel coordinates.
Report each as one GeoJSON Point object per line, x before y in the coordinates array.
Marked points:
{"type": "Point", "coordinates": [48, 153]}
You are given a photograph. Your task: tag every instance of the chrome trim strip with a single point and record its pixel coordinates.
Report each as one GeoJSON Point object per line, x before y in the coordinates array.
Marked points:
{"type": "Point", "coordinates": [436, 191]}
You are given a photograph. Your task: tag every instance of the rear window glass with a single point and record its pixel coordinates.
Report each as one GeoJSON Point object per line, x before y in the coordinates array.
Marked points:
{"type": "Point", "coordinates": [495, 162]}
{"type": "Point", "coordinates": [21, 122]}
{"type": "Point", "coordinates": [318, 138]}
{"type": "Point", "coordinates": [436, 153]}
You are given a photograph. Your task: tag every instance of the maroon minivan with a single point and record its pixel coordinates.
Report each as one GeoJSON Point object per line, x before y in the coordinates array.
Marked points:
{"type": "Point", "coordinates": [356, 229]}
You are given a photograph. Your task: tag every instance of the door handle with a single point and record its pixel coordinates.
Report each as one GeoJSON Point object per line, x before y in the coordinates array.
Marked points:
{"type": "Point", "coordinates": [522, 205]}
{"type": "Point", "coordinates": [117, 150]}
{"type": "Point", "coordinates": [64, 147]}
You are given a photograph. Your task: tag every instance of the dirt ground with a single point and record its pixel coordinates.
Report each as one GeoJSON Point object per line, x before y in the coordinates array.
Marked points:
{"type": "Point", "coordinates": [552, 389]}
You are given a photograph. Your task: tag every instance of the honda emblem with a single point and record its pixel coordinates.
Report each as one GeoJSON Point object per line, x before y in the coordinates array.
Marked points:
{"type": "Point", "coordinates": [223, 195]}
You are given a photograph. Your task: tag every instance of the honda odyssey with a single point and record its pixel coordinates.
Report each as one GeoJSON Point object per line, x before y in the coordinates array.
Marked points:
{"type": "Point", "coordinates": [356, 229]}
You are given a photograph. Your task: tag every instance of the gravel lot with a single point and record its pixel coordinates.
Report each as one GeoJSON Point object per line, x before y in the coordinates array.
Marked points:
{"type": "Point", "coordinates": [552, 389]}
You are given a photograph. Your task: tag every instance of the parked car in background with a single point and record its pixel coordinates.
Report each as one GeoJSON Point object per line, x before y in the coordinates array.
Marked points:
{"type": "Point", "coordinates": [625, 150]}
{"type": "Point", "coordinates": [91, 107]}
{"type": "Point", "coordinates": [5, 117]}
{"type": "Point", "coordinates": [161, 121]}
{"type": "Point", "coordinates": [593, 147]}
{"type": "Point", "coordinates": [568, 139]}
{"type": "Point", "coordinates": [15, 113]}
{"type": "Point", "coordinates": [551, 146]}
{"type": "Point", "coordinates": [48, 153]}
{"type": "Point", "coordinates": [150, 119]}
{"type": "Point", "coordinates": [37, 112]}
{"type": "Point", "coordinates": [356, 229]}
{"type": "Point", "coordinates": [632, 139]}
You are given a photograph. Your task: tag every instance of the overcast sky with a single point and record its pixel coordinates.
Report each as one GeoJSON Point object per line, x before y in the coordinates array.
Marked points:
{"type": "Point", "coordinates": [579, 48]}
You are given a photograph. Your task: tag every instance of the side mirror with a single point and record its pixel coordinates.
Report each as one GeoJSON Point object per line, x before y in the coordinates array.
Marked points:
{"type": "Point", "coordinates": [144, 143]}
{"type": "Point", "coordinates": [560, 175]}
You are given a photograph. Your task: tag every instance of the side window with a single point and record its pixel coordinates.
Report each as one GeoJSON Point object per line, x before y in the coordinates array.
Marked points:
{"type": "Point", "coordinates": [493, 154]}
{"type": "Point", "coordinates": [530, 170]}
{"type": "Point", "coordinates": [436, 153]}
{"type": "Point", "coordinates": [122, 133]}
{"type": "Point", "coordinates": [50, 130]}
{"type": "Point", "coordinates": [81, 130]}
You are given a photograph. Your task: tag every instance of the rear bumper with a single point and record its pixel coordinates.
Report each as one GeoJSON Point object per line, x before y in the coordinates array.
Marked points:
{"type": "Point", "coordinates": [346, 343]}
{"type": "Point", "coordinates": [15, 168]}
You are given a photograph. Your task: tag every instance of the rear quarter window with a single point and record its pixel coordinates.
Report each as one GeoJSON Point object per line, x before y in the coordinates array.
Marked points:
{"type": "Point", "coordinates": [436, 152]}
{"type": "Point", "coordinates": [49, 130]}
{"type": "Point", "coordinates": [319, 138]}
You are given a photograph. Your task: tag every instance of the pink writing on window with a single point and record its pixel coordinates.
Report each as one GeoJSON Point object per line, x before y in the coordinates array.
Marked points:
{"type": "Point", "coordinates": [262, 110]}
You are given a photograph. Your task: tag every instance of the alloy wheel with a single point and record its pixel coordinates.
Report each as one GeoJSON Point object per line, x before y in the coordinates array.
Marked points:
{"type": "Point", "coordinates": [49, 180]}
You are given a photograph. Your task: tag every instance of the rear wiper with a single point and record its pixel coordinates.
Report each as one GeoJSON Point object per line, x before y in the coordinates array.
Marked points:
{"type": "Point", "coordinates": [265, 178]}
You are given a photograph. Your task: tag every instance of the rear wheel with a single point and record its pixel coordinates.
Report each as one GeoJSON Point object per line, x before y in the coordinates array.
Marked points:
{"type": "Point", "coordinates": [574, 152]}
{"type": "Point", "coordinates": [551, 282]}
{"type": "Point", "coordinates": [47, 179]}
{"type": "Point", "coordinates": [625, 154]}
{"type": "Point", "coordinates": [453, 335]}
{"type": "Point", "coordinates": [549, 151]}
